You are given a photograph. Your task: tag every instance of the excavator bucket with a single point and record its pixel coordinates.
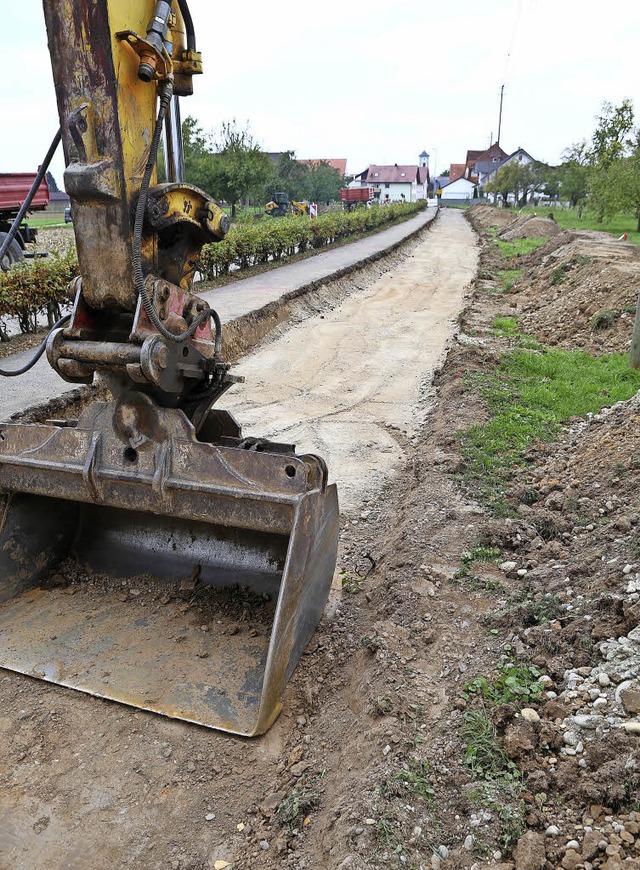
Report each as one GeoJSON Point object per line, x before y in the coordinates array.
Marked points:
{"type": "Point", "coordinates": [129, 491]}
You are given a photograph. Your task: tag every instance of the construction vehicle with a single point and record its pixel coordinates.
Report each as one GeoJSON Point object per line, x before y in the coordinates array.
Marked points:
{"type": "Point", "coordinates": [156, 482]}
{"type": "Point", "coordinates": [280, 205]}
{"type": "Point", "coordinates": [14, 187]}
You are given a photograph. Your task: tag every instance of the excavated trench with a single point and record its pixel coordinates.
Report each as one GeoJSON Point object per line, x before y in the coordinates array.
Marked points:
{"type": "Point", "coordinates": [343, 370]}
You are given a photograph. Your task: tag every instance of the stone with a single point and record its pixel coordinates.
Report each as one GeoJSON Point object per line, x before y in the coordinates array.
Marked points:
{"type": "Point", "coordinates": [590, 845]}
{"type": "Point", "coordinates": [468, 842]}
{"type": "Point", "coordinates": [530, 852]}
{"type": "Point", "coordinates": [552, 831]}
{"type": "Point", "coordinates": [519, 739]}
{"type": "Point", "coordinates": [571, 859]}
{"type": "Point", "coordinates": [529, 714]}
{"type": "Point", "coordinates": [630, 700]}
{"type": "Point", "coordinates": [631, 727]}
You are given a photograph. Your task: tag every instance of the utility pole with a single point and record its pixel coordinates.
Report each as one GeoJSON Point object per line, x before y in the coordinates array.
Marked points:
{"type": "Point", "coordinates": [495, 180]}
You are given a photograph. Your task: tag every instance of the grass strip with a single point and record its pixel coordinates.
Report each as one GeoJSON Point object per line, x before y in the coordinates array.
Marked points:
{"type": "Point", "coordinates": [531, 394]}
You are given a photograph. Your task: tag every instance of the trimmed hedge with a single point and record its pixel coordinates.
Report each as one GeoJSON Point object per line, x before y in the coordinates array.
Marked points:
{"type": "Point", "coordinates": [29, 290]}
{"type": "Point", "coordinates": [278, 238]}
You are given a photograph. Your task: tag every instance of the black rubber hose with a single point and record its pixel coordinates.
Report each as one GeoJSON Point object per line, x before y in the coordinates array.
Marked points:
{"type": "Point", "coordinates": [24, 208]}
{"type": "Point", "coordinates": [34, 359]}
{"type": "Point", "coordinates": [188, 23]}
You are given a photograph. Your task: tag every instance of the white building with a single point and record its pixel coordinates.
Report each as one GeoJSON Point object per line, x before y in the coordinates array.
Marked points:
{"type": "Point", "coordinates": [396, 182]}
{"type": "Point", "coordinates": [460, 190]}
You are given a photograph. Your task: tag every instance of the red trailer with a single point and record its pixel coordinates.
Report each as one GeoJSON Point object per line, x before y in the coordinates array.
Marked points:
{"type": "Point", "coordinates": [351, 197]}
{"type": "Point", "coordinates": [14, 187]}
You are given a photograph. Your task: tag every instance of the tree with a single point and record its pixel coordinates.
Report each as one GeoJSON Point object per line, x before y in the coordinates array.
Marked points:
{"type": "Point", "coordinates": [293, 177]}
{"type": "Point", "coordinates": [625, 179]}
{"type": "Point", "coordinates": [240, 168]}
{"type": "Point", "coordinates": [325, 182]}
{"type": "Point", "coordinates": [574, 175]}
{"type": "Point", "coordinates": [613, 139]}
{"type": "Point", "coordinates": [198, 151]}
{"type": "Point", "coordinates": [512, 178]}
{"type": "Point", "coordinates": [53, 187]}
{"type": "Point", "coordinates": [228, 165]}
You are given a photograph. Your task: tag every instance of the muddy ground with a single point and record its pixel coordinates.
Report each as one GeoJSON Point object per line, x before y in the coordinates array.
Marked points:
{"type": "Point", "coordinates": [369, 766]}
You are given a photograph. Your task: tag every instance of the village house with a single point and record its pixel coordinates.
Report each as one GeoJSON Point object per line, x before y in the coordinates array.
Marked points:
{"type": "Point", "coordinates": [397, 182]}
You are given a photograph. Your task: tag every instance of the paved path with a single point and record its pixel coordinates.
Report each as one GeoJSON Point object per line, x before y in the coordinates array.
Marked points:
{"type": "Point", "coordinates": [41, 383]}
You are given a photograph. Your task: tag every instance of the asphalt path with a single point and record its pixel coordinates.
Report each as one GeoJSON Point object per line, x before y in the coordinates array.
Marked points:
{"type": "Point", "coordinates": [234, 300]}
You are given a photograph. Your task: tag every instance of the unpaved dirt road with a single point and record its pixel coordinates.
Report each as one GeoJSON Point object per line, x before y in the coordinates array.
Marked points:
{"type": "Point", "coordinates": [87, 784]}
{"type": "Point", "coordinates": [344, 384]}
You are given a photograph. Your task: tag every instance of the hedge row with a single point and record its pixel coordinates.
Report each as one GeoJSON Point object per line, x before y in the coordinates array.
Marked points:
{"type": "Point", "coordinates": [278, 238]}
{"type": "Point", "coordinates": [30, 290]}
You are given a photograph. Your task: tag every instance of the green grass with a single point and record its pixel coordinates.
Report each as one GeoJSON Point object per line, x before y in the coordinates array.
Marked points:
{"type": "Point", "coordinates": [531, 394]}
{"type": "Point", "coordinates": [483, 754]}
{"type": "Point", "coordinates": [519, 247]}
{"type": "Point", "coordinates": [47, 221]}
{"type": "Point", "coordinates": [508, 278]}
{"type": "Point", "coordinates": [624, 222]}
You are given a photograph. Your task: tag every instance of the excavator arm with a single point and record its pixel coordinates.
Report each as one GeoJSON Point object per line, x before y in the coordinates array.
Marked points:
{"type": "Point", "coordinates": [156, 481]}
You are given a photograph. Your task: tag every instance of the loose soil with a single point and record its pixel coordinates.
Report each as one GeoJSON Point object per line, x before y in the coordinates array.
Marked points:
{"type": "Point", "coordinates": [366, 766]}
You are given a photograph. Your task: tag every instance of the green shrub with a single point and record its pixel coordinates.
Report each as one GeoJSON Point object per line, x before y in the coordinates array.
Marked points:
{"type": "Point", "coordinates": [29, 290]}
{"type": "Point", "coordinates": [277, 238]}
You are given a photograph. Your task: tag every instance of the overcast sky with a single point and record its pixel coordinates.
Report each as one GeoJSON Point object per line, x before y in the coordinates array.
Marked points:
{"type": "Point", "coordinates": [373, 82]}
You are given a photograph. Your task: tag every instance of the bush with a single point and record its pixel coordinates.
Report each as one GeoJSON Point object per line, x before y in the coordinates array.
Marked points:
{"type": "Point", "coordinates": [29, 290]}
{"type": "Point", "coordinates": [277, 238]}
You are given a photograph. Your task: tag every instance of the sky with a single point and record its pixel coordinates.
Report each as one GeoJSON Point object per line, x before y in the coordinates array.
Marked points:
{"type": "Point", "coordinates": [372, 82]}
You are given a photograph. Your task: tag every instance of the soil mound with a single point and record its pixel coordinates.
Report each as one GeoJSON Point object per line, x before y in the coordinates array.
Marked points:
{"type": "Point", "coordinates": [530, 227]}
{"type": "Point", "coordinates": [485, 216]}
{"type": "Point", "coordinates": [580, 290]}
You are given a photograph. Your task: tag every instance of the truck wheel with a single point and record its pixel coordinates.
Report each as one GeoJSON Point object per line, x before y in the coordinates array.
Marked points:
{"type": "Point", "coordinates": [13, 253]}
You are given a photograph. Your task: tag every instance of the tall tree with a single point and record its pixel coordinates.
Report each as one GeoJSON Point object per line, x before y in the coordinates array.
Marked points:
{"type": "Point", "coordinates": [240, 167]}
{"type": "Point", "coordinates": [325, 182]}
{"type": "Point", "coordinates": [574, 175]}
{"type": "Point", "coordinates": [292, 177]}
{"type": "Point", "coordinates": [613, 139]}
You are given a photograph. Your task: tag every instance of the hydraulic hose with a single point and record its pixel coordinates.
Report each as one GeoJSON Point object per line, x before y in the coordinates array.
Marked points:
{"type": "Point", "coordinates": [188, 24]}
{"type": "Point", "coordinates": [166, 93]}
{"type": "Point", "coordinates": [34, 359]}
{"type": "Point", "coordinates": [24, 208]}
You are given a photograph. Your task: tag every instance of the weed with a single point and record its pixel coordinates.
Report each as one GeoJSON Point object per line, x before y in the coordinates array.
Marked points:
{"type": "Point", "coordinates": [515, 682]}
{"type": "Point", "coordinates": [602, 320]}
{"type": "Point", "coordinates": [414, 780]}
{"type": "Point", "coordinates": [351, 582]}
{"type": "Point", "coordinates": [545, 609]}
{"type": "Point", "coordinates": [477, 555]}
{"type": "Point", "coordinates": [512, 825]}
{"type": "Point", "coordinates": [558, 276]}
{"type": "Point", "coordinates": [386, 831]}
{"type": "Point", "coordinates": [302, 798]}
{"type": "Point", "coordinates": [484, 756]}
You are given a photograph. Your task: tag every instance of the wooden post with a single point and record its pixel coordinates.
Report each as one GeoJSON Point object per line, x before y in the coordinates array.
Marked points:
{"type": "Point", "coordinates": [634, 353]}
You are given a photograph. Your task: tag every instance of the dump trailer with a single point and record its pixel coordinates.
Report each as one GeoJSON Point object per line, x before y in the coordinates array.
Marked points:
{"type": "Point", "coordinates": [155, 486]}
{"type": "Point", "coordinates": [351, 197]}
{"type": "Point", "coordinates": [14, 187]}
